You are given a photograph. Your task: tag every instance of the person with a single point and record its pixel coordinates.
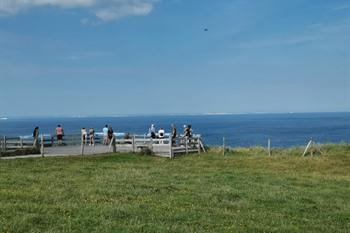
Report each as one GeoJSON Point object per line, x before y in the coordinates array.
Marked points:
{"type": "Point", "coordinates": [152, 131]}
{"type": "Point", "coordinates": [83, 135]}
{"type": "Point", "coordinates": [59, 134]}
{"type": "Point", "coordinates": [188, 131]}
{"type": "Point", "coordinates": [110, 134]}
{"type": "Point", "coordinates": [36, 136]}
{"type": "Point", "coordinates": [105, 135]}
{"type": "Point", "coordinates": [161, 135]}
{"type": "Point", "coordinates": [92, 136]}
{"type": "Point", "coordinates": [127, 137]}
{"type": "Point", "coordinates": [173, 133]}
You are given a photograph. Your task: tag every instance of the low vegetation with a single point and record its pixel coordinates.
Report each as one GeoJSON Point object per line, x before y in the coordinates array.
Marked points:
{"type": "Point", "coordinates": [24, 151]}
{"type": "Point", "coordinates": [243, 191]}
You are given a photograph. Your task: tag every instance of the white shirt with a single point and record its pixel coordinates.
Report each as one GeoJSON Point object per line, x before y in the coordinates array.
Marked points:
{"type": "Point", "coordinates": [161, 133]}
{"type": "Point", "coordinates": [105, 131]}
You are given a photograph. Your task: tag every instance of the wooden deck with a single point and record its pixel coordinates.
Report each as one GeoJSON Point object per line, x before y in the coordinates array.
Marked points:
{"type": "Point", "coordinates": [160, 147]}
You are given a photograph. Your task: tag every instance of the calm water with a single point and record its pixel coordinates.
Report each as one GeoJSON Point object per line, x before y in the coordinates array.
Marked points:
{"type": "Point", "coordinates": [239, 130]}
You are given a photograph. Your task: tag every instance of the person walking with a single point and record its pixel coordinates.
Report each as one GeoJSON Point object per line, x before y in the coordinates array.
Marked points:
{"type": "Point", "coordinates": [59, 134]}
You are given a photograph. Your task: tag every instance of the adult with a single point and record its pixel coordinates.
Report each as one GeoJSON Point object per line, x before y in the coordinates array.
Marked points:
{"type": "Point", "coordinates": [83, 135]}
{"type": "Point", "coordinates": [92, 136]}
{"type": "Point", "coordinates": [36, 136]}
{"type": "Point", "coordinates": [173, 133]}
{"type": "Point", "coordinates": [161, 135]}
{"type": "Point", "coordinates": [110, 134]}
{"type": "Point", "coordinates": [59, 134]}
{"type": "Point", "coordinates": [152, 131]}
{"type": "Point", "coordinates": [105, 135]}
{"type": "Point", "coordinates": [188, 131]}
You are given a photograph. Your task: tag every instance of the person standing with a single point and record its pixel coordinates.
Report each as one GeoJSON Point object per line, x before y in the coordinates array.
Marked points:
{"type": "Point", "coordinates": [161, 135]}
{"type": "Point", "coordinates": [36, 136]}
{"type": "Point", "coordinates": [152, 131]}
{"type": "Point", "coordinates": [188, 131]}
{"type": "Point", "coordinates": [105, 135]}
{"type": "Point", "coordinates": [59, 134]}
{"type": "Point", "coordinates": [92, 136]}
{"type": "Point", "coordinates": [83, 135]}
{"type": "Point", "coordinates": [110, 134]}
{"type": "Point", "coordinates": [173, 133]}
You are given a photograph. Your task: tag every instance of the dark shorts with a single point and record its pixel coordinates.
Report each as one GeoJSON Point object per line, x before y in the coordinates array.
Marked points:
{"type": "Point", "coordinates": [59, 137]}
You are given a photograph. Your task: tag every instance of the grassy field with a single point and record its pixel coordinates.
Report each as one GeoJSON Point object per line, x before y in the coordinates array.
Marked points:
{"type": "Point", "coordinates": [245, 191]}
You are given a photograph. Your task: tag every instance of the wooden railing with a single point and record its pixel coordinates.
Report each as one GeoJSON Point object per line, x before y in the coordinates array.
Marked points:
{"type": "Point", "coordinates": [165, 147]}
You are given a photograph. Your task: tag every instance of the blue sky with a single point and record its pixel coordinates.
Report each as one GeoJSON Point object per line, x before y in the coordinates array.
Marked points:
{"type": "Point", "coordinates": [110, 57]}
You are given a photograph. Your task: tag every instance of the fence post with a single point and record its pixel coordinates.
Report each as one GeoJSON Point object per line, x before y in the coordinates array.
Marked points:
{"type": "Point", "coordinates": [171, 146]}
{"type": "Point", "coordinates": [133, 144]}
{"type": "Point", "coordinates": [307, 147]}
{"type": "Point", "coordinates": [21, 143]}
{"type": "Point", "coordinates": [114, 145]}
{"type": "Point", "coordinates": [186, 144]}
{"type": "Point", "coordinates": [269, 146]}
{"type": "Point", "coordinates": [82, 145]}
{"type": "Point", "coordinates": [199, 145]}
{"type": "Point", "coordinates": [4, 145]}
{"type": "Point", "coordinates": [42, 146]}
{"type": "Point", "coordinates": [223, 146]}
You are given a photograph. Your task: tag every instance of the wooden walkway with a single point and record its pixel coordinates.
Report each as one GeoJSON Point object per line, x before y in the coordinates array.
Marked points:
{"type": "Point", "coordinates": [72, 150]}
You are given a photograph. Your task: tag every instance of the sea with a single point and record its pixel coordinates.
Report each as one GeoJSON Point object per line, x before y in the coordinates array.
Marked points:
{"type": "Point", "coordinates": [239, 130]}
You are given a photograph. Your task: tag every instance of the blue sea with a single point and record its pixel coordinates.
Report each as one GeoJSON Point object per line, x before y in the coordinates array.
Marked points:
{"type": "Point", "coordinates": [284, 130]}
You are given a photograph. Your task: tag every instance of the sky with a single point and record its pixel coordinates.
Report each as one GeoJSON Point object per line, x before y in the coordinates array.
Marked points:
{"type": "Point", "coordinates": [116, 57]}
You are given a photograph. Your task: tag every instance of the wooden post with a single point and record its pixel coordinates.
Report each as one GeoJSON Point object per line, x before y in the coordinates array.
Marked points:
{"type": "Point", "coordinates": [114, 145]}
{"type": "Point", "coordinates": [171, 147]}
{"type": "Point", "coordinates": [199, 145]}
{"type": "Point", "coordinates": [82, 145]}
{"type": "Point", "coordinates": [133, 144]}
{"type": "Point", "coordinates": [21, 143]}
{"type": "Point", "coordinates": [307, 147]}
{"type": "Point", "coordinates": [269, 146]}
{"type": "Point", "coordinates": [186, 144]}
{"type": "Point", "coordinates": [4, 144]}
{"type": "Point", "coordinates": [223, 146]}
{"type": "Point", "coordinates": [42, 146]}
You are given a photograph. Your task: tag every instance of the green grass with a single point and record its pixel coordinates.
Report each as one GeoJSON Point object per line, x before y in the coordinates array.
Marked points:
{"type": "Point", "coordinates": [245, 191]}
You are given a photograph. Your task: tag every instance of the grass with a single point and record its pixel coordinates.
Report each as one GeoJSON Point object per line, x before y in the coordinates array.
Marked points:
{"type": "Point", "coordinates": [245, 191]}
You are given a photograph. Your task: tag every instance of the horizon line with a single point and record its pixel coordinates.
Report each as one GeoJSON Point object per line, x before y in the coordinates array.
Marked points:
{"type": "Point", "coordinates": [4, 117]}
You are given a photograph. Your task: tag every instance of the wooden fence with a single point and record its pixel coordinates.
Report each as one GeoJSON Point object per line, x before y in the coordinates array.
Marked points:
{"type": "Point", "coordinates": [165, 147]}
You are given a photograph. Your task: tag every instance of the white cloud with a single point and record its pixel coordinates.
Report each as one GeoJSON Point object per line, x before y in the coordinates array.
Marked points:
{"type": "Point", "coordinates": [104, 10]}
{"type": "Point", "coordinates": [343, 7]}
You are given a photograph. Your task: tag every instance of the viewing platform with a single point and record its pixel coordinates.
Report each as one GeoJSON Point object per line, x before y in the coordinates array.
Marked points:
{"type": "Point", "coordinates": [73, 145]}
